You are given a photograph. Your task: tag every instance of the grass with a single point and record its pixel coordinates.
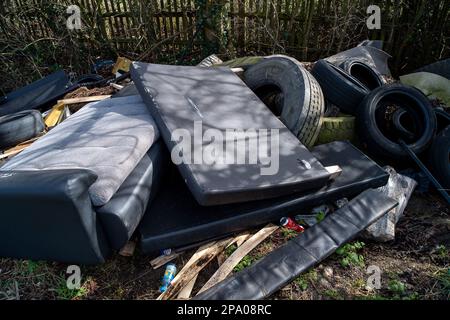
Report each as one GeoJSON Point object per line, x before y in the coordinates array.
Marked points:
{"type": "Point", "coordinates": [397, 287]}
{"type": "Point", "coordinates": [333, 294]}
{"type": "Point", "coordinates": [444, 282]}
{"type": "Point", "coordinates": [65, 293]}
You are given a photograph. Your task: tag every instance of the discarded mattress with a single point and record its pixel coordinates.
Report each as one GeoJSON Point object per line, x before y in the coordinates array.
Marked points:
{"type": "Point", "coordinates": [284, 264]}
{"type": "Point", "coordinates": [109, 138]}
{"type": "Point", "coordinates": [197, 109]}
{"type": "Point", "coordinates": [37, 94]}
{"type": "Point", "coordinates": [171, 224]}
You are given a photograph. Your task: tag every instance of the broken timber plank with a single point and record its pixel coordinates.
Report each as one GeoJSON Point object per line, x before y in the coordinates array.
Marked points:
{"type": "Point", "coordinates": [19, 148]}
{"type": "Point", "coordinates": [162, 260]}
{"type": "Point", "coordinates": [185, 293]}
{"type": "Point", "coordinates": [239, 240]}
{"type": "Point", "coordinates": [83, 99]}
{"type": "Point", "coordinates": [197, 262]}
{"type": "Point", "coordinates": [228, 266]}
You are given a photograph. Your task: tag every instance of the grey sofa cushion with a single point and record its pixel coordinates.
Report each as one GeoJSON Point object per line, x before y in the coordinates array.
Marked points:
{"type": "Point", "coordinates": [109, 138]}
{"type": "Point", "coordinates": [122, 214]}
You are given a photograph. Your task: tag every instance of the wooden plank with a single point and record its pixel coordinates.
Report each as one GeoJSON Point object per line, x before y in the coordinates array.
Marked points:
{"type": "Point", "coordinates": [185, 293]}
{"type": "Point", "coordinates": [18, 149]}
{"type": "Point", "coordinates": [163, 259]}
{"type": "Point", "coordinates": [197, 262]}
{"type": "Point", "coordinates": [228, 266]}
{"type": "Point", "coordinates": [83, 99]}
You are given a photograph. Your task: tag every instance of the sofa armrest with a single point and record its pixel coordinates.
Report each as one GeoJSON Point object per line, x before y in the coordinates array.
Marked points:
{"type": "Point", "coordinates": [48, 215]}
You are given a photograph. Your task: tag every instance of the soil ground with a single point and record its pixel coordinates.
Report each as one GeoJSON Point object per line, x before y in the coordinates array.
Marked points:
{"type": "Point", "coordinates": [414, 266]}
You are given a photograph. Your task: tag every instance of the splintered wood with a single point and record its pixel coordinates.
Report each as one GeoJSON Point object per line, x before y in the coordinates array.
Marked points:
{"type": "Point", "coordinates": [182, 285]}
{"type": "Point", "coordinates": [227, 267]}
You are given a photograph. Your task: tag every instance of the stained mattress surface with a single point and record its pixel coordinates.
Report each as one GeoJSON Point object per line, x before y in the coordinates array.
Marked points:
{"type": "Point", "coordinates": [197, 100]}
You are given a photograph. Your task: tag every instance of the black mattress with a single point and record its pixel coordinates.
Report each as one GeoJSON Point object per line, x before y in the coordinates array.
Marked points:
{"type": "Point", "coordinates": [198, 100]}
{"type": "Point", "coordinates": [175, 219]}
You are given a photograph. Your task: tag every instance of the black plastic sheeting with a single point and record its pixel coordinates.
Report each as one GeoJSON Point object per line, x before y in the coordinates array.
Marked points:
{"type": "Point", "coordinates": [37, 94]}
{"type": "Point", "coordinates": [175, 219]}
{"type": "Point", "coordinates": [194, 101]}
{"type": "Point", "coordinates": [303, 252]}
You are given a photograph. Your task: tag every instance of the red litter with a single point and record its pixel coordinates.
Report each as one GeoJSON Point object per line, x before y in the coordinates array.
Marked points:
{"type": "Point", "coordinates": [291, 224]}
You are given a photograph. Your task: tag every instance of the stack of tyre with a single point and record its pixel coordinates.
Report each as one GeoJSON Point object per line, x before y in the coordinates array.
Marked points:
{"type": "Point", "coordinates": [385, 115]}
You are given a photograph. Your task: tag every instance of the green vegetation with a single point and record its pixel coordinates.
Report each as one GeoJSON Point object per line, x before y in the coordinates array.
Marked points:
{"type": "Point", "coordinates": [397, 287]}
{"type": "Point", "coordinates": [245, 262]}
{"type": "Point", "coordinates": [349, 255]}
{"type": "Point", "coordinates": [65, 293]}
{"type": "Point", "coordinates": [305, 279]}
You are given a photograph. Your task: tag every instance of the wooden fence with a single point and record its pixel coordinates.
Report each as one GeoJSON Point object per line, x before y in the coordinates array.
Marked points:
{"type": "Point", "coordinates": [183, 31]}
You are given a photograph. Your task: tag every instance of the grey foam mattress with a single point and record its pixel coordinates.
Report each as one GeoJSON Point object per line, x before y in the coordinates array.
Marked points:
{"type": "Point", "coordinates": [191, 102]}
{"type": "Point", "coordinates": [109, 138]}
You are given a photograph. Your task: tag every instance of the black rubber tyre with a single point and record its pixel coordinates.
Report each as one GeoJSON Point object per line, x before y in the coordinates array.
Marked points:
{"type": "Point", "coordinates": [90, 80]}
{"type": "Point", "coordinates": [210, 61]}
{"type": "Point", "coordinates": [439, 158]}
{"type": "Point", "coordinates": [397, 119]}
{"type": "Point", "coordinates": [441, 68]}
{"type": "Point", "coordinates": [368, 76]}
{"type": "Point", "coordinates": [340, 88]}
{"type": "Point", "coordinates": [291, 93]}
{"type": "Point", "coordinates": [375, 126]}
{"type": "Point", "coordinates": [19, 127]}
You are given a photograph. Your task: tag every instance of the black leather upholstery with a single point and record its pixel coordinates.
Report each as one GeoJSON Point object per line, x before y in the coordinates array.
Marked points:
{"type": "Point", "coordinates": [122, 214]}
{"type": "Point", "coordinates": [48, 215]}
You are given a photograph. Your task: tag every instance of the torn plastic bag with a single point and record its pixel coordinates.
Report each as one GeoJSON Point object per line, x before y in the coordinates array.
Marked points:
{"type": "Point", "coordinates": [281, 266]}
{"type": "Point", "coordinates": [400, 188]}
{"type": "Point", "coordinates": [432, 85]}
{"type": "Point", "coordinates": [372, 56]}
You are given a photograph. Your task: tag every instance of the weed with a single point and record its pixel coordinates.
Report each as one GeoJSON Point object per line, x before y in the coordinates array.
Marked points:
{"type": "Point", "coordinates": [229, 251]}
{"type": "Point", "coordinates": [289, 234]}
{"type": "Point", "coordinates": [442, 252]}
{"type": "Point", "coordinates": [312, 275]}
{"type": "Point", "coordinates": [349, 254]}
{"type": "Point", "coordinates": [302, 282]}
{"type": "Point", "coordinates": [333, 294]}
{"type": "Point", "coordinates": [397, 287]}
{"type": "Point", "coordinates": [30, 267]}
{"type": "Point", "coordinates": [245, 262]}
{"type": "Point", "coordinates": [359, 284]}
{"type": "Point", "coordinates": [320, 216]}
{"type": "Point", "coordinates": [65, 293]}
{"type": "Point", "coordinates": [444, 281]}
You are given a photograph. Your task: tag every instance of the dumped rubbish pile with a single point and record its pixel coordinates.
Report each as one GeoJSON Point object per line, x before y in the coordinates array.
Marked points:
{"type": "Point", "coordinates": [178, 157]}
